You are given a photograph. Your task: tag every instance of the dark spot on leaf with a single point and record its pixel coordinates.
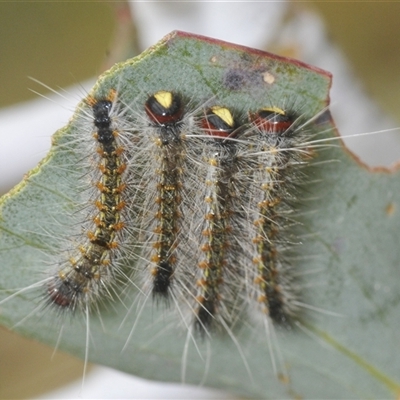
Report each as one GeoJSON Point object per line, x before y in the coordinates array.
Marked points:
{"type": "Point", "coordinates": [236, 79]}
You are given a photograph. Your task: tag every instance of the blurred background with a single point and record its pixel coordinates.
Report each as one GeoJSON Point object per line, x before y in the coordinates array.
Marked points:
{"type": "Point", "coordinates": [64, 43]}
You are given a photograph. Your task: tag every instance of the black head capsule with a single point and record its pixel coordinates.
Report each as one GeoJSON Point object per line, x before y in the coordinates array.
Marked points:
{"type": "Point", "coordinates": [272, 120]}
{"type": "Point", "coordinates": [218, 122]}
{"type": "Point", "coordinates": [165, 111]}
{"type": "Point", "coordinates": [164, 108]}
{"type": "Point", "coordinates": [102, 121]}
{"type": "Point", "coordinates": [101, 113]}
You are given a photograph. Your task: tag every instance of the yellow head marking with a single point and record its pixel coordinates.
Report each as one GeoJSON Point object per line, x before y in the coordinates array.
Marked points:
{"type": "Point", "coordinates": [164, 98]}
{"type": "Point", "coordinates": [224, 114]}
{"type": "Point", "coordinates": [275, 110]}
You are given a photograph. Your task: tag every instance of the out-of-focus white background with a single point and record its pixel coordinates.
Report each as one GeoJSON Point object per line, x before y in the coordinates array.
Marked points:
{"type": "Point", "coordinates": [64, 44]}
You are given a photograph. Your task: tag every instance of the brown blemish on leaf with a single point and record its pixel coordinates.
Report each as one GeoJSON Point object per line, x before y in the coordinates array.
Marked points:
{"type": "Point", "coordinates": [284, 378]}
{"type": "Point", "coordinates": [390, 209]}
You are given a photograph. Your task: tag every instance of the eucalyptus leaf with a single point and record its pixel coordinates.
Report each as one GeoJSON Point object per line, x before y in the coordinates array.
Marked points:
{"type": "Point", "coordinates": [348, 347]}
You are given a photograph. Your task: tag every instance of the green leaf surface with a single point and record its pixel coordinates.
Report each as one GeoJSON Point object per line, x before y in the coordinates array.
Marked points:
{"type": "Point", "coordinates": [349, 234]}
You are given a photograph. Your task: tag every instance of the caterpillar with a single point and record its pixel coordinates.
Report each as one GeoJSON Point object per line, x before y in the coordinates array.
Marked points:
{"type": "Point", "coordinates": [85, 277]}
